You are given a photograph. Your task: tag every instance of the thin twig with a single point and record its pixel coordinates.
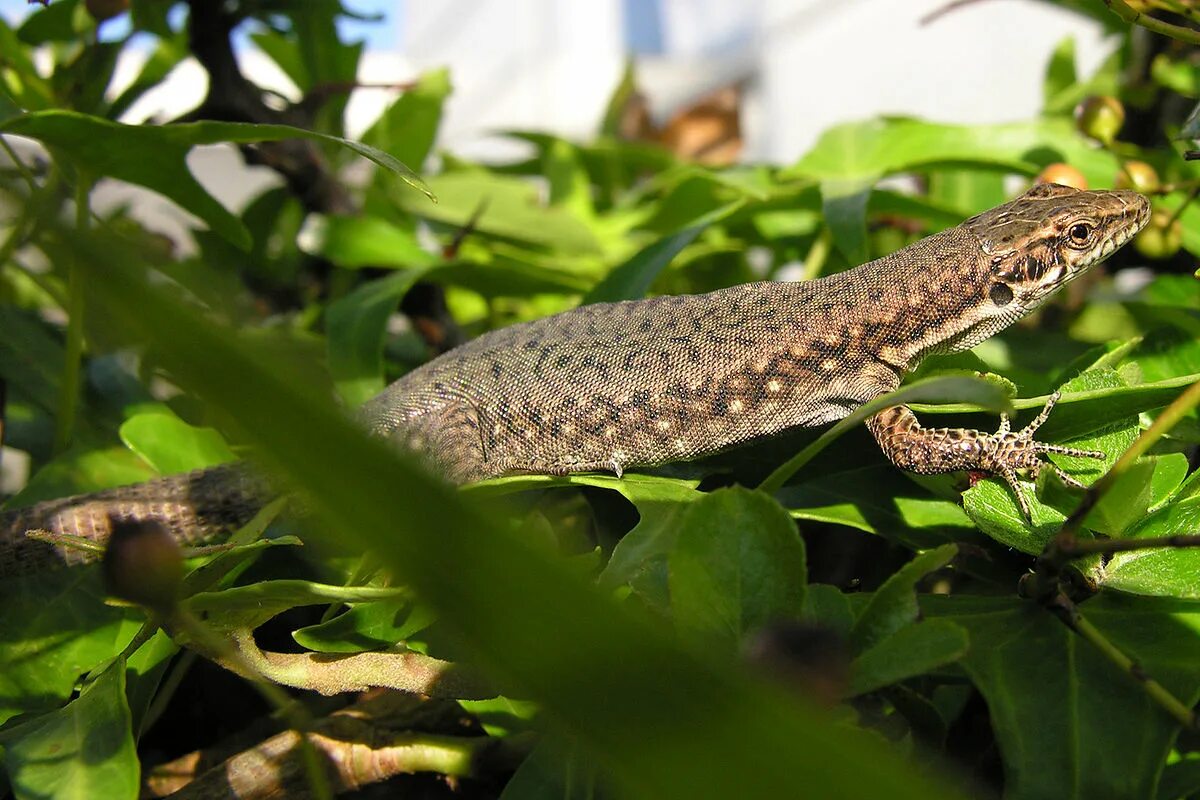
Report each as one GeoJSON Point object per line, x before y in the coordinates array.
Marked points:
{"type": "Point", "coordinates": [1084, 547]}
{"type": "Point", "coordinates": [1134, 17]}
{"type": "Point", "coordinates": [1055, 557]}
{"type": "Point", "coordinates": [1068, 613]}
{"type": "Point", "coordinates": [69, 389]}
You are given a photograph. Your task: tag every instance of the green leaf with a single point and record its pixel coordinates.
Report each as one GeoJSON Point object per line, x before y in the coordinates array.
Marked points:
{"type": "Point", "coordinates": [1060, 73]}
{"type": "Point", "coordinates": [171, 446]}
{"type": "Point", "coordinates": [84, 750]}
{"type": "Point", "coordinates": [408, 127]}
{"type": "Point", "coordinates": [1069, 723]}
{"type": "Point", "coordinates": [357, 325]}
{"type": "Point", "coordinates": [894, 605]}
{"type": "Point", "coordinates": [639, 559]}
{"type": "Point", "coordinates": [82, 471]}
{"type": "Point", "coordinates": [909, 652]}
{"type": "Point", "coordinates": [363, 241]}
{"type": "Point", "coordinates": [156, 156]}
{"type": "Point", "coordinates": [54, 627]}
{"type": "Point", "coordinates": [878, 499]}
{"type": "Point", "coordinates": [664, 721]}
{"type": "Point", "coordinates": [992, 507]}
{"type": "Point", "coordinates": [1170, 571]}
{"type": "Point", "coordinates": [1180, 780]}
{"type": "Point", "coordinates": [844, 203]}
{"type": "Point", "coordinates": [879, 147]}
{"type": "Point", "coordinates": [631, 280]}
{"type": "Point", "coordinates": [366, 626]}
{"type": "Point", "coordinates": [511, 208]}
{"type": "Point", "coordinates": [738, 563]}
{"type": "Point", "coordinates": [62, 21]}
{"type": "Point", "coordinates": [827, 605]}
{"type": "Point", "coordinates": [251, 606]}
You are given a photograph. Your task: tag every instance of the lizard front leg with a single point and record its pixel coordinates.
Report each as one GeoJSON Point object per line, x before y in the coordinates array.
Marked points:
{"type": "Point", "coordinates": [930, 451]}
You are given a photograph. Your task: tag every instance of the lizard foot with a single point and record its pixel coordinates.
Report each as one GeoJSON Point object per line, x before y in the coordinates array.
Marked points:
{"type": "Point", "coordinates": [1014, 451]}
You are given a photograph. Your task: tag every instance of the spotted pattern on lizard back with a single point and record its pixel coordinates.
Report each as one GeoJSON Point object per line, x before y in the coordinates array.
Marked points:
{"type": "Point", "coordinates": [646, 382]}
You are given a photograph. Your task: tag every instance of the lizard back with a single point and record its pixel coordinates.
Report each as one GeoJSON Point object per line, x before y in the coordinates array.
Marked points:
{"type": "Point", "coordinates": [672, 378]}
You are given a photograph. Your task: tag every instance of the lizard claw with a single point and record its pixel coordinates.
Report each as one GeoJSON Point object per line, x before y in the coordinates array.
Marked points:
{"type": "Point", "coordinates": [1020, 450]}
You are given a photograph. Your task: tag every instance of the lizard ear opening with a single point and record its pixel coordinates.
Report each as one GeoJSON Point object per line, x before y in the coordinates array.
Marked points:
{"type": "Point", "coordinates": [1000, 294]}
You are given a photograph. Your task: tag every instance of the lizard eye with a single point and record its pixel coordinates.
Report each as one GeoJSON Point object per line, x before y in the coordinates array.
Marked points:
{"type": "Point", "coordinates": [1080, 233]}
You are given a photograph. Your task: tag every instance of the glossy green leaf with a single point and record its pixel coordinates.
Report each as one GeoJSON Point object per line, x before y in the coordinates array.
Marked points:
{"type": "Point", "coordinates": [84, 750]}
{"type": "Point", "coordinates": [880, 147]}
{"type": "Point", "coordinates": [1170, 572]}
{"type": "Point", "coordinates": [737, 564]}
{"type": "Point", "coordinates": [170, 445]}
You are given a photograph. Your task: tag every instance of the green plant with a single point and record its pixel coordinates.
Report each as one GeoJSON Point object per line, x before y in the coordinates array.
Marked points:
{"type": "Point", "coordinates": [738, 628]}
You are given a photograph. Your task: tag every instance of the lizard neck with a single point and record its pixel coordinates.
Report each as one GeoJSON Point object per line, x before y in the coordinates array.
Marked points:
{"type": "Point", "coordinates": [928, 297]}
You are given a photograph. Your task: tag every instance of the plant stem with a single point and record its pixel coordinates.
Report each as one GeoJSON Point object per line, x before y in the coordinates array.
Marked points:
{"type": "Point", "coordinates": [1069, 614]}
{"type": "Point", "coordinates": [1169, 417]}
{"type": "Point", "coordinates": [68, 407]}
{"type": "Point", "coordinates": [1133, 17]}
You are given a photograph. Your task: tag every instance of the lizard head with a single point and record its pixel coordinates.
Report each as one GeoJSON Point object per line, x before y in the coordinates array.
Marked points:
{"type": "Point", "coordinates": [1037, 243]}
{"type": "Point", "coordinates": [1051, 235]}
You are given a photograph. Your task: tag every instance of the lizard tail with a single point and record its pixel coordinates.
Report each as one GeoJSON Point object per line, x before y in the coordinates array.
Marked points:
{"type": "Point", "coordinates": [196, 507]}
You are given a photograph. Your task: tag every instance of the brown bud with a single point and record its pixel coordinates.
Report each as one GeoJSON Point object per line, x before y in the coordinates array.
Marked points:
{"type": "Point", "coordinates": [143, 564]}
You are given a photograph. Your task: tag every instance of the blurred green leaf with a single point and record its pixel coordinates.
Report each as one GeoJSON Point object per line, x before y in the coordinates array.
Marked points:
{"type": "Point", "coordinates": [1060, 73]}
{"type": "Point", "coordinates": [54, 627]}
{"type": "Point", "coordinates": [826, 605]}
{"type": "Point", "coordinates": [631, 280]}
{"type": "Point", "coordinates": [361, 241]}
{"type": "Point", "coordinates": [844, 204]}
{"type": "Point", "coordinates": [408, 127]}
{"type": "Point", "coordinates": [156, 156]}
{"type": "Point", "coordinates": [357, 325]}
{"type": "Point", "coordinates": [511, 209]}
{"type": "Point", "coordinates": [879, 147]}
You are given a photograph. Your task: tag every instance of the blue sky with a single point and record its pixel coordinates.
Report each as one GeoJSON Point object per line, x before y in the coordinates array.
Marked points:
{"type": "Point", "coordinates": [383, 35]}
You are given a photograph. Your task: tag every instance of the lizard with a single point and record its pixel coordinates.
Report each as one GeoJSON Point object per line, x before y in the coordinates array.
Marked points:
{"type": "Point", "coordinates": [640, 383]}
